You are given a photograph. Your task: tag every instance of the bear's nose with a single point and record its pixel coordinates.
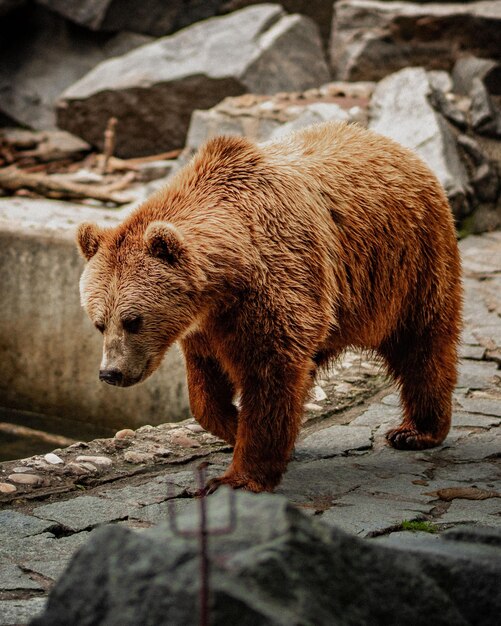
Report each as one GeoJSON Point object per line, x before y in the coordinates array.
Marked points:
{"type": "Point", "coordinates": [112, 377]}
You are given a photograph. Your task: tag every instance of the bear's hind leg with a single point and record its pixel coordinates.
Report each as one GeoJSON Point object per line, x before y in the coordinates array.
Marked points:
{"type": "Point", "coordinates": [425, 368]}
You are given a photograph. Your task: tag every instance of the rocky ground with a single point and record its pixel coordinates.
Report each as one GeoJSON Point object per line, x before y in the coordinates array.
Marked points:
{"type": "Point", "coordinates": [342, 472]}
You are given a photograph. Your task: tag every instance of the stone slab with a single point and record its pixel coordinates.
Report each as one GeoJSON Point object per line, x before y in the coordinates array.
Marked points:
{"type": "Point", "coordinates": [378, 414]}
{"type": "Point", "coordinates": [474, 375]}
{"type": "Point", "coordinates": [12, 578]}
{"type": "Point", "coordinates": [13, 523]}
{"type": "Point", "coordinates": [482, 406]}
{"type": "Point", "coordinates": [366, 515]}
{"type": "Point", "coordinates": [84, 512]}
{"type": "Point", "coordinates": [484, 512]}
{"type": "Point", "coordinates": [18, 612]}
{"type": "Point", "coordinates": [333, 441]}
{"type": "Point", "coordinates": [474, 420]}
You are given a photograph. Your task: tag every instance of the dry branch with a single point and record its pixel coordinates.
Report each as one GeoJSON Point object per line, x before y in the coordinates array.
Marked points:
{"type": "Point", "coordinates": [13, 179]}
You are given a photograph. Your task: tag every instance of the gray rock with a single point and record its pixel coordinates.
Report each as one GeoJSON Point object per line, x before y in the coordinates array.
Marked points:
{"type": "Point", "coordinates": [476, 375]}
{"type": "Point", "coordinates": [153, 17]}
{"type": "Point", "coordinates": [467, 68]}
{"type": "Point", "coordinates": [400, 109]}
{"type": "Point", "coordinates": [83, 512]}
{"type": "Point", "coordinates": [444, 105]}
{"type": "Point", "coordinates": [485, 406]}
{"type": "Point", "coordinates": [42, 59]}
{"type": "Point", "coordinates": [373, 516]}
{"type": "Point", "coordinates": [486, 183]}
{"type": "Point", "coordinates": [315, 113]}
{"type": "Point", "coordinates": [13, 523]}
{"type": "Point", "coordinates": [153, 90]}
{"type": "Point", "coordinates": [474, 420]}
{"type": "Point", "coordinates": [377, 414]}
{"type": "Point", "coordinates": [485, 118]}
{"type": "Point", "coordinates": [484, 512]}
{"type": "Point", "coordinates": [277, 567]}
{"type": "Point", "coordinates": [320, 11]}
{"type": "Point", "coordinates": [261, 118]}
{"type": "Point", "coordinates": [372, 39]}
{"type": "Point", "coordinates": [472, 149]}
{"type": "Point", "coordinates": [16, 612]}
{"type": "Point", "coordinates": [13, 578]}
{"type": "Point", "coordinates": [334, 441]}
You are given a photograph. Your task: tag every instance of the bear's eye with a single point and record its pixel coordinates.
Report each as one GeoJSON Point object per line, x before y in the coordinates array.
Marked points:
{"type": "Point", "coordinates": [99, 326]}
{"type": "Point", "coordinates": [132, 324]}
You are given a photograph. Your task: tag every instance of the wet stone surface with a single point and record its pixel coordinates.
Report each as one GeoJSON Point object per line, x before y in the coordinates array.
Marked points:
{"type": "Point", "coordinates": [342, 471]}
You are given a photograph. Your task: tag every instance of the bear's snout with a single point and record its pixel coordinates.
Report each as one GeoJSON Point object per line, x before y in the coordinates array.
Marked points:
{"type": "Point", "coordinates": [112, 377]}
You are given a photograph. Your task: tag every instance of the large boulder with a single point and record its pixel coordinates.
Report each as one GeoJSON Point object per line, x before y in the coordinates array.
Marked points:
{"type": "Point", "coordinates": [320, 11]}
{"type": "Point", "coordinates": [371, 39]}
{"type": "Point", "coordinates": [41, 56]}
{"type": "Point", "coordinates": [154, 89]}
{"type": "Point", "coordinates": [152, 17]}
{"type": "Point", "coordinates": [158, 18]}
{"type": "Point", "coordinates": [468, 68]}
{"type": "Point", "coordinates": [401, 109]}
{"type": "Point", "coordinates": [277, 567]}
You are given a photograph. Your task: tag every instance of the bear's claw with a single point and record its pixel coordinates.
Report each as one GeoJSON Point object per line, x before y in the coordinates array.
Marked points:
{"type": "Point", "coordinates": [235, 481]}
{"type": "Point", "coordinates": [405, 438]}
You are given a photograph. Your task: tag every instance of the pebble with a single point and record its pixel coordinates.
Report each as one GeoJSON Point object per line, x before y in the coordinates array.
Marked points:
{"type": "Point", "coordinates": [126, 433]}
{"type": "Point", "coordinates": [7, 488]}
{"type": "Point", "coordinates": [77, 445]}
{"type": "Point", "coordinates": [185, 442]}
{"type": "Point", "coordinates": [195, 428]}
{"type": "Point", "coordinates": [53, 459]}
{"type": "Point", "coordinates": [318, 394]}
{"type": "Point", "coordinates": [311, 406]}
{"type": "Point", "coordinates": [148, 428]}
{"type": "Point", "coordinates": [21, 470]}
{"type": "Point", "coordinates": [78, 469]}
{"type": "Point", "coordinates": [25, 479]}
{"type": "Point", "coordinates": [137, 457]}
{"type": "Point", "coordinates": [100, 461]}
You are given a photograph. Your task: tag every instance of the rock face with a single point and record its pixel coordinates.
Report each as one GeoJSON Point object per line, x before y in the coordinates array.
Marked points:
{"type": "Point", "coordinates": [152, 17]}
{"type": "Point", "coordinates": [320, 11]}
{"type": "Point", "coordinates": [469, 68]}
{"type": "Point", "coordinates": [400, 109]}
{"type": "Point", "coordinates": [43, 56]}
{"type": "Point", "coordinates": [371, 39]}
{"type": "Point", "coordinates": [278, 567]}
{"type": "Point", "coordinates": [158, 18]}
{"type": "Point", "coordinates": [153, 90]}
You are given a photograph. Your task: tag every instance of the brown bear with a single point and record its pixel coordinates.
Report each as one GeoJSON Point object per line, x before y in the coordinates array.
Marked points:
{"type": "Point", "coordinates": [266, 262]}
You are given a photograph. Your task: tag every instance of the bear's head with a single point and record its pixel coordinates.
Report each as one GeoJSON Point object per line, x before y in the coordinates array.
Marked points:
{"type": "Point", "coordinates": [142, 289]}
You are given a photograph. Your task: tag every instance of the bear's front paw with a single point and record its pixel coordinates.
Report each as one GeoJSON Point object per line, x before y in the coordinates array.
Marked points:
{"type": "Point", "coordinates": [236, 480]}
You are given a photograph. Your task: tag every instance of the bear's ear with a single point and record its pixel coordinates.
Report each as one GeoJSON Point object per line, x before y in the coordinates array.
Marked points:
{"type": "Point", "coordinates": [165, 242]}
{"type": "Point", "coordinates": [88, 239]}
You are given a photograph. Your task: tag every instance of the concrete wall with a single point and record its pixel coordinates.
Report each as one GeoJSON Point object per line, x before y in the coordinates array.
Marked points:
{"type": "Point", "coordinates": [49, 351]}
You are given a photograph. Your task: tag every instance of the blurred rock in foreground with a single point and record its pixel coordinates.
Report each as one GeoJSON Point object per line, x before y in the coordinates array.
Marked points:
{"type": "Point", "coordinates": [278, 567]}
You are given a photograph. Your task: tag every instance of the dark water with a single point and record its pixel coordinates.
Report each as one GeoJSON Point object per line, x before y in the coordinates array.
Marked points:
{"type": "Point", "coordinates": [39, 433]}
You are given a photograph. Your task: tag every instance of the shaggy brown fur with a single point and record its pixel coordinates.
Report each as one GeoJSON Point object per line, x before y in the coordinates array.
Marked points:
{"type": "Point", "coordinates": [268, 261]}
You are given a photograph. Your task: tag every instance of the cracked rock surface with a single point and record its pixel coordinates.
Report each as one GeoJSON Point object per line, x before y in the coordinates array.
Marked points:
{"type": "Point", "coordinates": [342, 471]}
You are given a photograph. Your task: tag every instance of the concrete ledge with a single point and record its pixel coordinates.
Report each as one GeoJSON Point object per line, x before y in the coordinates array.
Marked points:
{"type": "Point", "coordinates": [49, 352]}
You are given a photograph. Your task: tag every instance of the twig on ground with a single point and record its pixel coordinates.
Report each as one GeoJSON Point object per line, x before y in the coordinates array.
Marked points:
{"type": "Point", "coordinates": [12, 179]}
